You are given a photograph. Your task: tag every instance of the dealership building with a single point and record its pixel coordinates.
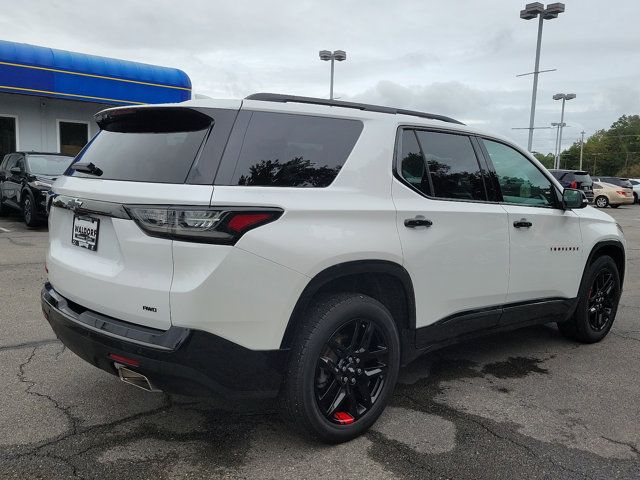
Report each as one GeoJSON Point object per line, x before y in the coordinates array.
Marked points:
{"type": "Point", "coordinates": [48, 97]}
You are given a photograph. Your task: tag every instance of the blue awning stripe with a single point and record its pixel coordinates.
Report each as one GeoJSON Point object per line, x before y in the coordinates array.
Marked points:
{"type": "Point", "coordinates": [31, 70]}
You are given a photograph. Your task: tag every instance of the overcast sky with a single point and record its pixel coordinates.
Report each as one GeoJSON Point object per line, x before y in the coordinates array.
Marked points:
{"type": "Point", "coordinates": [456, 57]}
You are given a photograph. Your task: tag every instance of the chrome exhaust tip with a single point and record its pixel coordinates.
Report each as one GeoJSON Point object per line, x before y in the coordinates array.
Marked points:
{"type": "Point", "coordinates": [134, 378]}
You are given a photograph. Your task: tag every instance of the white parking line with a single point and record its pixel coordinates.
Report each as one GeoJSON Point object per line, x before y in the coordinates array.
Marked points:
{"type": "Point", "coordinates": [5, 229]}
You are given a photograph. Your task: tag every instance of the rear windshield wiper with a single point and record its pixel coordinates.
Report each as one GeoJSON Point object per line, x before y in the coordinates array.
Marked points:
{"type": "Point", "coordinates": [87, 168]}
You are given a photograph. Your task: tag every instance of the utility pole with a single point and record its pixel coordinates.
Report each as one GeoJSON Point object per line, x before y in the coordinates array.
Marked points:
{"type": "Point", "coordinates": [581, 147]}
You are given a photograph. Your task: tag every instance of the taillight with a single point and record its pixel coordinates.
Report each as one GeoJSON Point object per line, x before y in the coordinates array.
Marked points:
{"type": "Point", "coordinates": [205, 225]}
{"type": "Point", "coordinates": [573, 184]}
{"type": "Point", "coordinates": [621, 193]}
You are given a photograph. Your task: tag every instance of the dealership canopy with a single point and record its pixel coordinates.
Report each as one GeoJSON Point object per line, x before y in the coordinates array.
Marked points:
{"type": "Point", "coordinates": [47, 72]}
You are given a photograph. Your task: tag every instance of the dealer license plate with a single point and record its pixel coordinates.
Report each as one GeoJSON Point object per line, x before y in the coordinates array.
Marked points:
{"type": "Point", "coordinates": [85, 232]}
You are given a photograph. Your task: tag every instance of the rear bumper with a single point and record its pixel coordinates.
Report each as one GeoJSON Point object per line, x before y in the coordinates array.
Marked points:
{"type": "Point", "coordinates": [178, 360]}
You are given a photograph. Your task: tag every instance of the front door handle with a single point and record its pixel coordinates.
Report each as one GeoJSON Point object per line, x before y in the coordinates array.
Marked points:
{"type": "Point", "coordinates": [522, 223]}
{"type": "Point", "coordinates": [417, 222]}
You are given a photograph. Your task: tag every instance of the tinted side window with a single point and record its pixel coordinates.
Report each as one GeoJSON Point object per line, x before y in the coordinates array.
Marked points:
{"type": "Point", "coordinates": [412, 167]}
{"type": "Point", "coordinates": [453, 166]}
{"type": "Point", "coordinates": [284, 150]}
{"type": "Point", "coordinates": [520, 180]}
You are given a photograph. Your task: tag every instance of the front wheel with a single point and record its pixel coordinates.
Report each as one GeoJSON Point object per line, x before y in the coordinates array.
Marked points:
{"type": "Point", "coordinates": [601, 201]}
{"type": "Point", "coordinates": [343, 367]}
{"type": "Point", "coordinates": [597, 303]}
{"type": "Point", "coordinates": [29, 211]}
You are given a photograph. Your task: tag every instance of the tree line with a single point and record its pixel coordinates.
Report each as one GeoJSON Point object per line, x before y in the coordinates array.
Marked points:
{"type": "Point", "coordinates": [611, 152]}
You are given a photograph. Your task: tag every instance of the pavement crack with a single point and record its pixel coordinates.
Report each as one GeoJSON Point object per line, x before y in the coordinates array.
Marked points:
{"type": "Point", "coordinates": [625, 337]}
{"type": "Point", "coordinates": [632, 446]}
{"type": "Point", "coordinates": [37, 343]}
{"type": "Point", "coordinates": [505, 438]}
{"type": "Point", "coordinates": [73, 421]}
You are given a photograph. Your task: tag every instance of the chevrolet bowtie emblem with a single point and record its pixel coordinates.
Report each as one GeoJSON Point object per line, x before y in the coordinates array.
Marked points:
{"type": "Point", "coordinates": [74, 204]}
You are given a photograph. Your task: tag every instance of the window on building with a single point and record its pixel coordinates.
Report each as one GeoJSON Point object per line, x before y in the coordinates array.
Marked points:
{"type": "Point", "coordinates": [7, 136]}
{"type": "Point", "coordinates": [73, 136]}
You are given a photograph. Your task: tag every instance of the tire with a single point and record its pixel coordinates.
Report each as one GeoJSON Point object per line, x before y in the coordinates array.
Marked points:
{"type": "Point", "coordinates": [29, 211]}
{"type": "Point", "coordinates": [614, 206]}
{"type": "Point", "coordinates": [585, 325]}
{"type": "Point", "coordinates": [316, 369]}
{"type": "Point", "coordinates": [601, 201]}
{"type": "Point", "coordinates": [635, 198]}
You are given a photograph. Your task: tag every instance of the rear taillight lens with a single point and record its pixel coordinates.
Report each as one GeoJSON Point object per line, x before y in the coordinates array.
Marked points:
{"type": "Point", "coordinates": [573, 184]}
{"type": "Point", "coordinates": [204, 225]}
{"type": "Point", "coordinates": [621, 192]}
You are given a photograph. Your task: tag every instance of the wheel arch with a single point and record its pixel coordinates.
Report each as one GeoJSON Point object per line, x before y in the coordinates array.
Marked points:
{"type": "Point", "coordinates": [381, 279]}
{"type": "Point", "coordinates": [612, 248]}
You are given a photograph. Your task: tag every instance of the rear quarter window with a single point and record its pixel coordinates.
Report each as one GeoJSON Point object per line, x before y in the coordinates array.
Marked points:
{"type": "Point", "coordinates": [285, 150]}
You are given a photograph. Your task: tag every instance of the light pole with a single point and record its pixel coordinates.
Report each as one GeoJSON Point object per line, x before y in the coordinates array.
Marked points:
{"type": "Point", "coordinates": [581, 147]}
{"type": "Point", "coordinates": [564, 97]}
{"type": "Point", "coordinates": [338, 55]}
{"type": "Point", "coordinates": [531, 11]}
{"type": "Point", "coordinates": [555, 150]}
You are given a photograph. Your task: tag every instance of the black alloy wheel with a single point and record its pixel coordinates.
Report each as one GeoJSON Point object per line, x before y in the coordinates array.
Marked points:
{"type": "Point", "coordinates": [601, 300]}
{"type": "Point", "coordinates": [597, 304]}
{"type": "Point", "coordinates": [342, 367]}
{"type": "Point", "coordinates": [27, 210]}
{"type": "Point", "coordinates": [350, 373]}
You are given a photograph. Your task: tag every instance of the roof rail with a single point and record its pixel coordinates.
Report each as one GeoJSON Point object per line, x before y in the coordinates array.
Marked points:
{"type": "Point", "coordinates": [276, 97]}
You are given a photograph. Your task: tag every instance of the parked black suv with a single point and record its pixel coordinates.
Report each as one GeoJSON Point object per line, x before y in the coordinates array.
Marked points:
{"type": "Point", "coordinates": [575, 179]}
{"type": "Point", "coordinates": [25, 179]}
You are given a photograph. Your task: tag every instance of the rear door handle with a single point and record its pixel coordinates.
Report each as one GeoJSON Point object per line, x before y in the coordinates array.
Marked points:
{"type": "Point", "coordinates": [417, 222]}
{"type": "Point", "coordinates": [522, 223]}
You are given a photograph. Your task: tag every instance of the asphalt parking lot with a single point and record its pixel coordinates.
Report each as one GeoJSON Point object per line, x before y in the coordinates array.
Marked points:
{"type": "Point", "coordinates": [526, 404]}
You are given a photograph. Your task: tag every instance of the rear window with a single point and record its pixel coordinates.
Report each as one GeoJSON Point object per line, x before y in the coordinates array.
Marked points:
{"type": "Point", "coordinates": [582, 178]}
{"type": "Point", "coordinates": [146, 145]}
{"type": "Point", "coordinates": [285, 150]}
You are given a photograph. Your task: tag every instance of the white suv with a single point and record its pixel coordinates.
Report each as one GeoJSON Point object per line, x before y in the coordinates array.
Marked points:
{"type": "Point", "coordinates": [308, 248]}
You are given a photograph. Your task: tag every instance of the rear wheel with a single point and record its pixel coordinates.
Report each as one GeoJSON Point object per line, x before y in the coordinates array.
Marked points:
{"type": "Point", "coordinates": [343, 367]}
{"type": "Point", "coordinates": [597, 303]}
{"type": "Point", "coordinates": [29, 211]}
{"type": "Point", "coordinates": [635, 197]}
{"type": "Point", "coordinates": [601, 201]}
{"type": "Point", "coordinates": [614, 206]}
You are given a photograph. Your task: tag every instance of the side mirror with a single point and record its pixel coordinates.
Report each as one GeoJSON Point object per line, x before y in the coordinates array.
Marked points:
{"type": "Point", "coordinates": [572, 198]}
{"type": "Point", "coordinates": [16, 170]}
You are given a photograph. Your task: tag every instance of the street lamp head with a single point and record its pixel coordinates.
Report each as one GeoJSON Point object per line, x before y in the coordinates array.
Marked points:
{"type": "Point", "coordinates": [340, 55]}
{"type": "Point", "coordinates": [526, 15]}
{"type": "Point", "coordinates": [558, 96]}
{"type": "Point", "coordinates": [553, 10]}
{"type": "Point", "coordinates": [325, 55]}
{"type": "Point", "coordinates": [570, 96]}
{"type": "Point", "coordinates": [532, 10]}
